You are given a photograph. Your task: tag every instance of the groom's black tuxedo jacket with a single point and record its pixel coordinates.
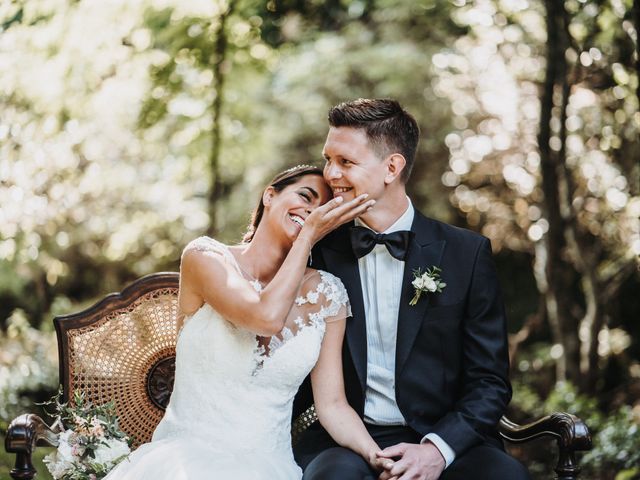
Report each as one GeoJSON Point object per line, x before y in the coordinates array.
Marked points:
{"type": "Point", "coordinates": [451, 353]}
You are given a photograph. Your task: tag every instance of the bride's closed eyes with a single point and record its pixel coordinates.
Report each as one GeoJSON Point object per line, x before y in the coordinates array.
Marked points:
{"type": "Point", "coordinates": [307, 193]}
{"type": "Point", "coordinates": [306, 196]}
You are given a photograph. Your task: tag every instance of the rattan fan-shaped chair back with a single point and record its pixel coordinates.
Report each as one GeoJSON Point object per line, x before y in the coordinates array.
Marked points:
{"type": "Point", "coordinates": [123, 349]}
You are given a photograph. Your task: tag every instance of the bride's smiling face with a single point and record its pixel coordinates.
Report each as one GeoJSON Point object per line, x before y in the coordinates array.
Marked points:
{"type": "Point", "coordinates": [287, 210]}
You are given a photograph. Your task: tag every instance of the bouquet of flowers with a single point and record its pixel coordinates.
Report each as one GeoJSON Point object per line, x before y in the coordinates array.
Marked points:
{"type": "Point", "coordinates": [90, 442]}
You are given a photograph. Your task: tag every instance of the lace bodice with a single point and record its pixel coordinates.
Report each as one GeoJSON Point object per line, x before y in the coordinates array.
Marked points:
{"type": "Point", "coordinates": [234, 387]}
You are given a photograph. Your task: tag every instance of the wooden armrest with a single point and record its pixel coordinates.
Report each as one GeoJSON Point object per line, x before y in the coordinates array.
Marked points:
{"type": "Point", "coordinates": [24, 434]}
{"type": "Point", "coordinates": [570, 431]}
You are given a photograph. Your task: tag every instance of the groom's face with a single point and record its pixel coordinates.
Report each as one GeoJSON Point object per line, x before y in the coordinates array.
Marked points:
{"type": "Point", "coordinates": [352, 166]}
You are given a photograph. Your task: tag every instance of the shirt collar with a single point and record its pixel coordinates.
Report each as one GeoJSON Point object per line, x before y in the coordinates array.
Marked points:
{"type": "Point", "coordinates": [404, 222]}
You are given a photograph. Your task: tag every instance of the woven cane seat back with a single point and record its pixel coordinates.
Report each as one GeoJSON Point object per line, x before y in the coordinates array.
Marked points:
{"type": "Point", "coordinates": [123, 349]}
{"type": "Point", "coordinates": [304, 421]}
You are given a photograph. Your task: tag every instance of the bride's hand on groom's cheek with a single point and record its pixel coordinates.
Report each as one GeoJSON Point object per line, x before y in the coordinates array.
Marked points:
{"type": "Point", "coordinates": [334, 213]}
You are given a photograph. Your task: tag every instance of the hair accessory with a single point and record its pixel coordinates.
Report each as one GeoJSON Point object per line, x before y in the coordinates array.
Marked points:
{"type": "Point", "coordinates": [298, 167]}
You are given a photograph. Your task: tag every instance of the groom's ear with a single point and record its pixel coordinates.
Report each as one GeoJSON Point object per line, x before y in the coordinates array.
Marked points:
{"type": "Point", "coordinates": [395, 164]}
{"type": "Point", "coordinates": [268, 195]}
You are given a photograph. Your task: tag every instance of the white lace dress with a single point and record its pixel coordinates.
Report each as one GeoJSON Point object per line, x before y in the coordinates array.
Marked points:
{"type": "Point", "coordinates": [229, 416]}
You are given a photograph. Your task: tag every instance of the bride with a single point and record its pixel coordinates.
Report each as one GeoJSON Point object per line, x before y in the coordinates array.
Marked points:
{"type": "Point", "coordinates": [257, 321]}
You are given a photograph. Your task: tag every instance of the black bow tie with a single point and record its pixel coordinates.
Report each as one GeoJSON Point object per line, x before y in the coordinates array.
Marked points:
{"type": "Point", "coordinates": [363, 240]}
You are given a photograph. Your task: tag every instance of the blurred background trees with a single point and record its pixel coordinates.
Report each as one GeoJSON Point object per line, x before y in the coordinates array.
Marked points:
{"type": "Point", "coordinates": [129, 128]}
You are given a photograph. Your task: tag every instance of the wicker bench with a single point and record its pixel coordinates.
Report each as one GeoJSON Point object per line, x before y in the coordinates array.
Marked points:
{"type": "Point", "coordinates": [123, 349]}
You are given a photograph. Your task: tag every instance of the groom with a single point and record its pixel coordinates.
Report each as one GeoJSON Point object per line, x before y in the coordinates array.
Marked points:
{"type": "Point", "coordinates": [430, 380]}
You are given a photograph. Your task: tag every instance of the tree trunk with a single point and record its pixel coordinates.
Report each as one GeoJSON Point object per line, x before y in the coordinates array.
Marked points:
{"type": "Point", "coordinates": [219, 66]}
{"type": "Point", "coordinates": [590, 327]}
{"type": "Point", "coordinates": [557, 286]}
{"type": "Point", "coordinates": [636, 7]}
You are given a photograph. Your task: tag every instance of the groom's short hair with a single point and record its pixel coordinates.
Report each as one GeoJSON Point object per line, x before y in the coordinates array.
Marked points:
{"type": "Point", "coordinates": [389, 128]}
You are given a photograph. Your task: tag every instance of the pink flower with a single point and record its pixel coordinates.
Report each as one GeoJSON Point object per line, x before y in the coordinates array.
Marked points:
{"type": "Point", "coordinates": [96, 427]}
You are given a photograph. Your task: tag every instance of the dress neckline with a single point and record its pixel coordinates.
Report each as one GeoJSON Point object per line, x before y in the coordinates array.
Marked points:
{"type": "Point", "coordinates": [255, 283]}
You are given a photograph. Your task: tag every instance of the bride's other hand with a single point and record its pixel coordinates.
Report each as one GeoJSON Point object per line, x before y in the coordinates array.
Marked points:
{"type": "Point", "coordinates": [332, 214]}
{"type": "Point", "coordinates": [380, 463]}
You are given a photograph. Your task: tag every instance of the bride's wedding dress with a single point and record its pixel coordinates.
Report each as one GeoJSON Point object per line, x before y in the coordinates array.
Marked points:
{"type": "Point", "coordinates": [229, 416]}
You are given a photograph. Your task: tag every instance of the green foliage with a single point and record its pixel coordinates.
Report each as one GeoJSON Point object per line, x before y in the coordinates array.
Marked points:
{"type": "Point", "coordinates": [616, 432]}
{"type": "Point", "coordinates": [631, 474]}
{"type": "Point", "coordinates": [28, 367]}
{"type": "Point", "coordinates": [83, 416]}
{"type": "Point", "coordinates": [616, 443]}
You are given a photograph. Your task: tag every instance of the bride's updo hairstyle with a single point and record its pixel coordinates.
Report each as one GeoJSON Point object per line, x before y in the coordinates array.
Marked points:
{"type": "Point", "coordinates": [278, 183]}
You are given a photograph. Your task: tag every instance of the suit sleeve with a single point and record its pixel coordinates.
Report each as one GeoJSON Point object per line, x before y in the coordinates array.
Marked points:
{"type": "Point", "coordinates": [485, 389]}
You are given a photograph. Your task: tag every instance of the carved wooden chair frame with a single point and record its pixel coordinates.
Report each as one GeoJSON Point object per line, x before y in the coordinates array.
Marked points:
{"type": "Point", "coordinates": [154, 382]}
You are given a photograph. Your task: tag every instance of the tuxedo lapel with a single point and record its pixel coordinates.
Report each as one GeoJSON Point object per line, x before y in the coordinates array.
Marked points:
{"type": "Point", "coordinates": [425, 252]}
{"type": "Point", "coordinates": [341, 261]}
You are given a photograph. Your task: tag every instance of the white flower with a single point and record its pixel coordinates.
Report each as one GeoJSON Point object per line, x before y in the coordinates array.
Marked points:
{"type": "Point", "coordinates": [62, 460]}
{"type": "Point", "coordinates": [312, 297]}
{"type": "Point", "coordinates": [57, 467]}
{"type": "Point", "coordinates": [418, 283]}
{"type": "Point", "coordinates": [429, 283]}
{"type": "Point", "coordinates": [65, 446]}
{"type": "Point", "coordinates": [110, 453]}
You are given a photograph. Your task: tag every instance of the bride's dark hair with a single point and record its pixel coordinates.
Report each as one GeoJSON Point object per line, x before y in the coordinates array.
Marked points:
{"type": "Point", "coordinates": [278, 183]}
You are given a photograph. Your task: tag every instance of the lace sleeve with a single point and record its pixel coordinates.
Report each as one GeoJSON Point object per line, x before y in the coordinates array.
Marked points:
{"type": "Point", "coordinates": [321, 299]}
{"type": "Point", "coordinates": [324, 300]}
{"type": "Point", "coordinates": [209, 245]}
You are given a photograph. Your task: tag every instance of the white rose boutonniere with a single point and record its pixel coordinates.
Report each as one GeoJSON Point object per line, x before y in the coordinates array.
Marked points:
{"type": "Point", "coordinates": [427, 282]}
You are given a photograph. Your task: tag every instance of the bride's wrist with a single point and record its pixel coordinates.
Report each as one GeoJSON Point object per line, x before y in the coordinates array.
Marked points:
{"type": "Point", "coordinates": [306, 240]}
{"type": "Point", "coordinates": [372, 457]}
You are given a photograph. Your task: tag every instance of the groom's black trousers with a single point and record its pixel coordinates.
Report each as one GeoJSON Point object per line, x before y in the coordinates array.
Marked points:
{"type": "Point", "coordinates": [484, 462]}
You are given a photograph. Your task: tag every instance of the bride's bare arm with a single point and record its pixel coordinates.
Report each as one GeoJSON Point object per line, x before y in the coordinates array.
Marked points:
{"type": "Point", "coordinates": [334, 412]}
{"type": "Point", "coordinates": [209, 277]}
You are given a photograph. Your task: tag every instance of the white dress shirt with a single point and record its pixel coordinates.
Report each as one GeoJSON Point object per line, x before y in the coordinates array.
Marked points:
{"type": "Point", "coordinates": [381, 280]}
